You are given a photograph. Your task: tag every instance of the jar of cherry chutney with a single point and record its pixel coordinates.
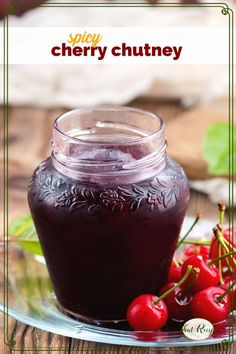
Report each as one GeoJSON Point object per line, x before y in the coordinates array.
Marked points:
{"type": "Point", "coordinates": [108, 206]}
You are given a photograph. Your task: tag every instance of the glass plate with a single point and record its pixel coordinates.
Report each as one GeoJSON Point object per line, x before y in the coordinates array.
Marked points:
{"type": "Point", "coordinates": [31, 300]}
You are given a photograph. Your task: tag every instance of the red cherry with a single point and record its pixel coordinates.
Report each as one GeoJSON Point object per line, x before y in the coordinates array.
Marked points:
{"type": "Point", "coordinates": [214, 251]}
{"type": "Point", "coordinates": [227, 233]}
{"type": "Point", "coordinates": [175, 273]}
{"type": "Point", "coordinates": [146, 313]}
{"type": "Point", "coordinates": [232, 292]}
{"type": "Point", "coordinates": [196, 249]}
{"type": "Point", "coordinates": [177, 303]}
{"type": "Point", "coordinates": [230, 234]}
{"type": "Point", "coordinates": [208, 275]}
{"type": "Point", "coordinates": [230, 277]}
{"type": "Point", "coordinates": [207, 304]}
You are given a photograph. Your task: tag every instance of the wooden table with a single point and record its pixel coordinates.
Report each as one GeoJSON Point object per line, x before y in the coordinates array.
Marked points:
{"type": "Point", "coordinates": [29, 136]}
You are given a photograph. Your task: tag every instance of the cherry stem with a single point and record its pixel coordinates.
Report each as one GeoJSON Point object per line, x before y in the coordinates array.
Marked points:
{"type": "Point", "coordinates": [182, 280]}
{"type": "Point", "coordinates": [221, 257]}
{"type": "Point", "coordinates": [226, 249]}
{"type": "Point", "coordinates": [219, 248]}
{"type": "Point", "coordinates": [221, 208]}
{"type": "Point", "coordinates": [219, 298]}
{"type": "Point", "coordinates": [176, 263]}
{"type": "Point", "coordinates": [197, 243]}
{"type": "Point", "coordinates": [186, 290]}
{"type": "Point", "coordinates": [227, 260]}
{"type": "Point", "coordinates": [226, 245]}
{"type": "Point", "coordinates": [198, 217]}
{"type": "Point", "coordinates": [212, 245]}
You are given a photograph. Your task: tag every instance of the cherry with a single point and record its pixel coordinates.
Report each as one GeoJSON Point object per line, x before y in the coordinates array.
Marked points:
{"type": "Point", "coordinates": [147, 313]}
{"type": "Point", "coordinates": [230, 234]}
{"type": "Point", "coordinates": [178, 303]}
{"type": "Point", "coordinates": [212, 304]}
{"type": "Point", "coordinates": [179, 300]}
{"type": "Point", "coordinates": [196, 249]}
{"type": "Point", "coordinates": [175, 273]}
{"type": "Point", "coordinates": [208, 275]}
{"type": "Point", "coordinates": [230, 285]}
{"type": "Point", "coordinates": [223, 244]}
{"type": "Point", "coordinates": [230, 277]}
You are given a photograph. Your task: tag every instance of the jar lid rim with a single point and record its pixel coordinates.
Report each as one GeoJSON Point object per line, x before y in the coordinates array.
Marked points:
{"type": "Point", "coordinates": [139, 111]}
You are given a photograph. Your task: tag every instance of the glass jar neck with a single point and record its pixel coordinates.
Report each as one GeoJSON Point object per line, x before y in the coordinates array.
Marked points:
{"type": "Point", "coordinates": [109, 145]}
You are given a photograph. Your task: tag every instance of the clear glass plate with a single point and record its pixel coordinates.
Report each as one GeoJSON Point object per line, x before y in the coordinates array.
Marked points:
{"type": "Point", "coordinates": [31, 300]}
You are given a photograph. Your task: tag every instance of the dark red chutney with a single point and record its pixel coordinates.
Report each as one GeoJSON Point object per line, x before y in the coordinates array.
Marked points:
{"type": "Point", "coordinates": [105, 243]}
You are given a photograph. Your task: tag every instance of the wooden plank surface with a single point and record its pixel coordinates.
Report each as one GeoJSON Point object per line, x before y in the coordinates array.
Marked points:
{"type": "Point", "coordinates": [186, 136]}
{"type": "Point", "coordinates": [29, 135]}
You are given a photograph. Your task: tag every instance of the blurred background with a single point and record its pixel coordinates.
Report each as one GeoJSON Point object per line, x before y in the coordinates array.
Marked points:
{"type": "Point", "coordinates": [192, 99]}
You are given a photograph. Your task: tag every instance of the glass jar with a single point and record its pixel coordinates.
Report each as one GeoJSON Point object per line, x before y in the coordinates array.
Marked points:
{"type": "Point", "coordinates": [108, 206]}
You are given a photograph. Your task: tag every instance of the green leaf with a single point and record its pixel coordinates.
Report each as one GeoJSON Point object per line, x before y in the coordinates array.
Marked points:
{"type": "Point", "coordinates": [23, 228]}
{"type": "Point", "coordinates": [216, 148]}
{"type": "Point", "coordinates": [32, 247]}
{"type": "Point", "coordinates": [20, 224]}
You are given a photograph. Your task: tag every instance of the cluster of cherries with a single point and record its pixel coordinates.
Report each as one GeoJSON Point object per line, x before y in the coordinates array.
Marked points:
{"type": "Point", "coordinates": [202, 284]}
